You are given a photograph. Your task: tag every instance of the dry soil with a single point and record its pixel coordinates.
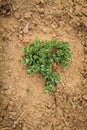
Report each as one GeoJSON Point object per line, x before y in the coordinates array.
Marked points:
{"type": "Point", "coordinates": [23, 104]}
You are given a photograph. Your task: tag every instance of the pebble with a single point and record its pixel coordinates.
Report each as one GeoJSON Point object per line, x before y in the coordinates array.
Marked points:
{"type": "Point", "coordinates": [42, 15]}
{"type": "Point", "coordinates": [24, 128]}
{"type": "Point", "coordinates": [27, 15]}
{"type": "Point", "coordinates": [41, 10]}
{"type": "Point", "coordinates": [47, 128]}
{"type": "Point", "coordinates": [85, 67]}
{"type": "Point", "coordinates": [53, 26]}
{"type": "Point", "coordinates": [5, 106]}
{"type": "Point", "coordinates": [65, 128]}
{"type": "Point", "coordinates": [44, 30]}
{"type": "Point", "coordinates": [54, 35]}
{"type": "Point", "coordinates": [10, 108]}
{"type": "Point", "coordinates": [5, 129]}
{"type": "Point", "coordinates": [17, 15]}
{"type": "Point", "coordinates": [84, 82]}
{"type": "Point", "coordinates": [85, 44]}
{"type": "Point", "coordinates": [85, 49]}
{"type": "Point", "coordinates": [85, 57]}
{"type": "Point", "coordinates": [5, 87]}
{"type": "Point", "coordinates": [1, 119]}
{"type": "Point", "coordinates": [12, 115]}
{"type": "Point", "coordinates": [49, 17]}
{"type": "Point", "coordinates": [20, 20]}
{"type": "Point", "coordinates": [11, 57]}
{"type": "Point", "coordinates": [26, 28]}
{"type": "Point", "coordinates": [62, 23]}
{"type": "Point", "coordinates": [15, 7]}
{"type": "Point", "coordinates": [1, 30]}
{"type": "Point", "coordinates": [41, 1]}
{"type": "Point", "coordinates": [85, 97]}
{"type": "Point", "coordinates": [8, 92]}
{"type": "Point", "coordinates": [9, 38]}
{"type": "Point", "coordinates": [11, 103]}
{"type": "Point", "coordinates": [20, 37]}
{"type": "Point", "coordinates": [84, 11]}
{"type": "Point", "coordinates": [54, 8]}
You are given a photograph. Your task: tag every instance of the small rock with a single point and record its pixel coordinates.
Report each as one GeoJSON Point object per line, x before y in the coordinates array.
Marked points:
{"type": "Point", "coordinates": [53, 26]}
{"type": "Point", "coordinates": [42, 1]}
{"type": "Point", "coordinates": [17, 15]}
{"type": "Point", "coordinates": [85, 49]}
{"type": "Point", "coordinates": [54, 8]}
{"type": "Point", "coordinates": [41, 10]}
{"type": "Point", "coordinates": [26, 28]}
{"type": "Point", "coordinates": [54, 35]}
{"type": "Point", "coordinates": [8, 13]}
{"type": "Point", "coordinates": [47, 127]}
{"type": "Point", "coordinates": [85, 97]}
{"type": "Point", "coordinates": [85, 44]}
{"type": "Point", "coordinates": [21, 20]}
{"type": "Point", "coordinates": [84, 82]}
{"type": "Point", "coordinates": [20, 37]}
{"type": "Point", "coordinates": [21, 32]}
{"type": "Point", "coordinates": [85, 57]}
{"type": "Point", "coordinates": [5, 129]}
{"type": "Point", "coordinates": [11, 57]}
{"type": "Point", "coordinates": [1, 30]}
{"type": "Point", "coordinates": [10, 108]}
{"type": "Point", "coordinates": [49, 17]}
{"type": "Point", "coordinates": [15, 7]}
{"type": "Point", "coordinates": [84, 11]}
{"type": "Point", "coordinates": [4, 37]}
{"type": "Point", "coordinates": [8, 92]}
{"type": "Point", "coordinates": [85, 67]}
{"type": "Point", "coordinates": [11, 103]}
{"type": "Point", "coordinates": [27, 15]}
{"type": "Point", "coordinates": [1, 119]}
{"type": "Point", "coordinates": [24, 128]}
{"type": "Point", "coordinates": [65, 128]}
{"type": "Point", "coordinates": [4, 105]}
{"type": "Point", "coordinates": [42, 15]}
{"type": "Point", "coordinates": [44, 30]}
{"type": "Point", "coordinates": [12, 115]}
{"type": "Point", "coordinates": [5, 87]}
{"type": "Point", "coordinates": [9, 38]}
{"type": "Point", "coordinates": [61, 23]}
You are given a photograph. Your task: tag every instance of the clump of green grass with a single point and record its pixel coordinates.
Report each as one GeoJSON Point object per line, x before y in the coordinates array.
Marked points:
{"type": "Point", "coordinates": [40, 56]}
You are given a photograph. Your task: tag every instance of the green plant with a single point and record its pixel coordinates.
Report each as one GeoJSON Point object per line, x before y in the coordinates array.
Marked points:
{"type": "Point", "coordinates": [40, 56]}
{"type": "Point", "coordinates": [29, 89]}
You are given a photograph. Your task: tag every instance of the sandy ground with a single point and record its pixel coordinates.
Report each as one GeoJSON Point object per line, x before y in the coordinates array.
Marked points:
{"type": "Point", "coordinates": [23, 105]}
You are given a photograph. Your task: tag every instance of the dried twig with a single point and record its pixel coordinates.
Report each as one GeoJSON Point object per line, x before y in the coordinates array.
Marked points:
{"type": "Point", "coordinates": [16, 122]}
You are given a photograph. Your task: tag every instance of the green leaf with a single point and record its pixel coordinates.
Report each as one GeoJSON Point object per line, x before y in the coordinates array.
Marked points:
{"type": "Point", "coordinates": [56, 77]}
{"type": "Point", "coordinates": [60, 45]}
{"type": "Point", "coordinates": [48, 88]}
{"type": "Point", "coordinates": [37, 40]}
{"type": "Point", "coordinates": [67, 55]}
{"type": "Point", "coordinates": [29, 71]}
{"type": "Point", "coordinates": [56, 58]}
{"type": "Point", "coordinates": [39, 57]}
{"type": "Point", "coordinates": [66, 44]}
{"type": "Point", "coordinates": [25, 60]}
{"type": "Point", "coordinates": [60, 52]}
{"type": "Point", "coordinates": [65, 63]}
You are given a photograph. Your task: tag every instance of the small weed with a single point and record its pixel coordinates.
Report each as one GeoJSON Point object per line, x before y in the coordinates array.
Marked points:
{"type": "Point", "coordinates": [40, 56]}
{"type": "Point", "coordinates": [29, 89]}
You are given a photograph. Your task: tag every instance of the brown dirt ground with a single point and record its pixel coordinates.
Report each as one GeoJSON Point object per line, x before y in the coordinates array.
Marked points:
{"type": "Point", "coordinates": [23, 105]}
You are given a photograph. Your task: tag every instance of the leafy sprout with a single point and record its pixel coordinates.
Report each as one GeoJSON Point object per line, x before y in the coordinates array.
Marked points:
{"type": "Point", "coordinates": [39, 56]}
